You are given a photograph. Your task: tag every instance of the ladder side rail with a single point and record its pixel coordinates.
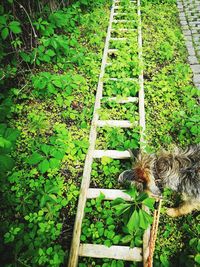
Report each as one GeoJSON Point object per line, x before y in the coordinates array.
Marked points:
{"type": "Point", "coordinates": [73, 258]}
{"type": "Point", "coordinates": [146, 236]}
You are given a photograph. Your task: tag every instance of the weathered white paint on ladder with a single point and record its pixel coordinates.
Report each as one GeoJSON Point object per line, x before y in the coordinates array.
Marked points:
{"type": "Point", "coordinates": [73, 258]}
{"type": "Point", "coordinates": [114, 252]}
{"type": "Point", "coordinates": [92, 250]}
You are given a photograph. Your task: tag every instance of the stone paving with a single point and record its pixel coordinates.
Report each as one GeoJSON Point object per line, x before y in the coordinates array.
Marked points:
{"type": "Point", "coordinates": [189, 14]}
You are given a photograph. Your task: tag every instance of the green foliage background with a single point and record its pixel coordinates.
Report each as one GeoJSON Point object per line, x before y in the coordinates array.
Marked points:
{"type": "Point", "coordinates": [172, 119]}
{"type": "Point", "coordinates": [50, 55]}
{"type": "Point", "coordinates": [50, 59]}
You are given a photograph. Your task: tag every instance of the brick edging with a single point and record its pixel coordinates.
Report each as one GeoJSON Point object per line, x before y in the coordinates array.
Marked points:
{"type": "Point", "coordinates": [187, 33]}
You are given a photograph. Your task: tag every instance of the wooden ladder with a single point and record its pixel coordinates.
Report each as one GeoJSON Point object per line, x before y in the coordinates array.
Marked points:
{"type": "Point", "coordinates": [101, 251]}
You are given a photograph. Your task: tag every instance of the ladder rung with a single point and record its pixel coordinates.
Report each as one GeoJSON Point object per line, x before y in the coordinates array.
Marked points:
{"type": "Point", "coordinates": [122, 100]}
{"type": "Point", "coordinates": [118, 7]}
{"type": "Point", "coordinates": [119, 1]}
{"type": "Point", "coordinates": [122, 21]}
{"type": "Point", "coordinates": [123, 30]}
{"type": "Point", "coordinates": [120, 14]}
{"type": "Point", "coordinates": [113, 252]}
{"type": "Point", "coordinates": [121, 7]}
{"type": "Point", "coordinates": [115, 123]}
{"type": "Point", "coordinates": [122, 79]}
{"type": "Point", "coordinates": [118, 38]}
{"type": "Point", "coordinates": [110, 194]}
{"type": "Point", "coordinates": [112, 51]}
{"type": "Point", "coordinates": [114, 154]}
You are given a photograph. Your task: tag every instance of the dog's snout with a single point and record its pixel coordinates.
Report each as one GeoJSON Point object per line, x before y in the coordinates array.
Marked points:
{"type": "Point", "coordinates": [155, 190]}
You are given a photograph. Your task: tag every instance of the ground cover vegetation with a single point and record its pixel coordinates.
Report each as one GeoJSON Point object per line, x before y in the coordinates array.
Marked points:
{"type": "Point", "coordinates": [116, 223]}
{"type": "Point", "coordinates": [48, 90]}
{"type": "Point", "coordinates": [173, 118]}
{"type": "Point", "coordinates": [50, 61]}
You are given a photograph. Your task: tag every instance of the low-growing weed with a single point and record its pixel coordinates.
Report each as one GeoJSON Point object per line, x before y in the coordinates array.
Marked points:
{"type": "Point", "coordinates": [117, 138]}
{"type": "Point", "coordinates": [102, 226]}
{"type": "Point", "coordinates": [105, 172]}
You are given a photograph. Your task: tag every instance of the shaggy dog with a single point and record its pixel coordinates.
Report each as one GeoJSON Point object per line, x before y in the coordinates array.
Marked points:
{"type": "Point", "coordinates": [178, 170]}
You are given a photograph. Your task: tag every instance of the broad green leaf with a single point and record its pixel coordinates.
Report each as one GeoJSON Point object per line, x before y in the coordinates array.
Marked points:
{"type": "Point", "coordinates": [107, 243]}
{"type": "Point", "coordinates": [126, 239]}
{"type": "Point", "coordinates": [193, 241]}
{"type": "Point", "coordinates": [45, 58]}
{"type": "Point", "coordinates": [57, 82]}
{"type": "Point", "coordinates": [54, 43]}
{"type": "Point", "coordinates": [148, 217]}
{"type": "Point", "coordinates": [11, 134]}
{"type": "Point", "coordinates": [142, 196]}
{"type": "Point", "coordinates": [64, 202]}
{"type": "Point", "coordinates": [197, 258]}
{"type": "Point", "coordinates": [15, 27]}
{"type": "Point", "coordinates": [58, 154]}
{"type": "Point", "coordinates": [53, 197]}
{"type": "Point", "coordinates": [116, 239]}
{"type": "Point", "coordinates": [4, 143]}
{"type": "Point", "coordinates": [149, 202]}
{"type": "Point", "coordinates": [51, 89]}
{"type": "Point", "coordinates": [25, 57]}
{"type": "Point", "coordinates": [35, 158]}
{"type": "Point", "coordinates": [3, 128]}
{"type": "Point", "coordinates": [106, 160]}
{"type": "Point", "coordinates": [118, 201]}
{"type": "Point", "coordinates": [4, 33]}
{"type": "Point", "coordinates": [43, 201]}
{"type": "Point", "coordinates": [114, 263]}
{"type": "Point", "coordinates": [83, 238]}
{"type": "Point", "coordinates": [109, 221]}
{"type": "Point", "coordinates": [50, 53]}
{"type": "Point", "coordinates": [138, 241]}
{"type": "Point", "coordinates": [39, 83]}
{"type": "Point", "coordinates": [54, 163]}
{"type": "Point", "coordinates": [164, 260]}
{"type": "Point", "coordinates": [142, 220]}
{"type": "Point", "coordinates": [120, 264]}
{"type": "Point", "coordinates": [145, 219]}
{"type": "Point", "coordinates": [2, 20]}
{"type": "Point", "coordinates": [100, 197]}
{"type": "Point", "coordinates": [45, 148]}
{"type": "Point", "coordinates": [49, 251]}
{"type": "Point", "coordinates": [6, 163]}
{"type": "Point", "coordinates": [110, 234]}
{"type": "Point", "coordinates": [43, 166]}
{"type": "Point", "coordinates": [122, 208]}
{"type": "Point", "coordinates": [133, 223]}
{"type": "Point", "coordinates": [52, 189]}
{"type": "Point", "coordinates": [132, 192]}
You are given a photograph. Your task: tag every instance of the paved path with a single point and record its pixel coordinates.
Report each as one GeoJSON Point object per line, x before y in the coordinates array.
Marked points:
{"type": "Point", "coordinates": [189, 14]}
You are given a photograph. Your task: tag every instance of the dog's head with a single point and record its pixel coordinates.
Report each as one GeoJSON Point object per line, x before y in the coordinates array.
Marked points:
{"type": "Point", "coordinates": [141, 172]}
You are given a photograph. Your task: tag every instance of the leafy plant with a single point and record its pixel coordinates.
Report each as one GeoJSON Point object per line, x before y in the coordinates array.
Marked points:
{"type": "Point", "coordinates": [102, 229]}
{"type": "Point", "coordinates": [135, 219]}
{"type": "Point", "coordinates": [8, 137]}
{"type": "Point", "coordinates": [118, 138]}
{"type": "Point", "coordinates": [106, 171]}
{"type": "Point", "coordinates": [101, 225]}
{"type": "Point", "coordinates": [6, 27]}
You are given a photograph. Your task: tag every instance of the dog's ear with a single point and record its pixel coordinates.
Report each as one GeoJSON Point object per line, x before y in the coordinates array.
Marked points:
{"type": "Point", "coordinates": [126, 176]}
